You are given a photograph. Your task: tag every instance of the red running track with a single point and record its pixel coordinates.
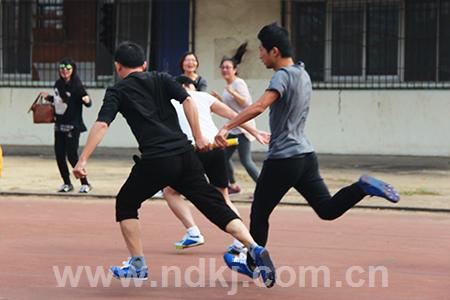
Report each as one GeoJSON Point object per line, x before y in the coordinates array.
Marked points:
{"type": "Point", "coordinates": [40, 236]}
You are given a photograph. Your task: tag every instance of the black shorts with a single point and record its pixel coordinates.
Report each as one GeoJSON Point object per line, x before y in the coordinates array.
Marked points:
{"type": "Point", "coordinates": [184, 173]}
{"type": "Point", "coordinates": [215, 165]}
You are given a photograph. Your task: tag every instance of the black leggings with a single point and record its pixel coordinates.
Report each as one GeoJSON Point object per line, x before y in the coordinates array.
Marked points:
{"type": "Point", "coordinates": [66, 145]}
{"type": "Point", "coordinates": [279, 175]}
{"type": "Point", "coordinates": [184, 173]}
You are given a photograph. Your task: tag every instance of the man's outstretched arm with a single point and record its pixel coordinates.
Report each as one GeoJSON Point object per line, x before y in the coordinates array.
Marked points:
{"type": "Point", "coordinates": [96, 135]}
{"type": "Point", "coordinates": [247, 114]}
{"type": "Point", "coordinates": [225, 111]}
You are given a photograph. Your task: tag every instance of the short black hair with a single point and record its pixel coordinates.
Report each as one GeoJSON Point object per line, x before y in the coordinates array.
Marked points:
{"type": "Point", "coordinates": [273, 35]}
{"type": "Point", "coordinates": [129, 55]}
{"type": "Point", "coordinates": [184, 80]}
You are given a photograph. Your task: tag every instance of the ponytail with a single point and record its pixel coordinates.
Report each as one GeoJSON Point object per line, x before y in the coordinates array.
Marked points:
{"type": "Point", "coordinates": [237, 57]}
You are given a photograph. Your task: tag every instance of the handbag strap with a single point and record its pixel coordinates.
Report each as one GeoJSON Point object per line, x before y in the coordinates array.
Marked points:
{"type": "Point", "coordinates": [34, 102]}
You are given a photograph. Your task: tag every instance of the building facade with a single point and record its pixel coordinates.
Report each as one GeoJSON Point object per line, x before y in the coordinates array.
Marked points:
{"type": "Point", "coordinates": [380, 68]}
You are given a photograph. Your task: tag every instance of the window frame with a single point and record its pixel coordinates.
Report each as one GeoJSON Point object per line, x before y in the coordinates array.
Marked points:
{"type": "Point", "coordinates": [363, 78]}
{"type": "Point", "coordinates": [369, 81]}
{"type": "Point", "coordinates": [4, 76]}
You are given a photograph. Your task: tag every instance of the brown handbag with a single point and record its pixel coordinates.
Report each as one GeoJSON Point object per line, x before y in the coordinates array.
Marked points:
{"type": "Point", "coordinates": [43, 111]}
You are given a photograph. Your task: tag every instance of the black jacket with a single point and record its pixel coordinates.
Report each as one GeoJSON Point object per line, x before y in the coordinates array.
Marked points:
{"type": "Point", "coordinates": [71, 93]}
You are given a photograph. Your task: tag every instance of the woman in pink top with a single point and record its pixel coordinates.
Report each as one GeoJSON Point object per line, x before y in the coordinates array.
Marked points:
{"type": "Point", "coordinates": [237, 96]}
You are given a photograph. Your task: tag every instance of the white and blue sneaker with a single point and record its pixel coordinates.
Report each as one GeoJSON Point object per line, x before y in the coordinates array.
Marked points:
{"type": "Point", "coordinates": [236, 250]}
{"type": "Point", "coordinates": [190, 241]}
{"type": "Point", "coordinates": [238, 263]}
{"type": "Point", "coordinates": [127, 270]}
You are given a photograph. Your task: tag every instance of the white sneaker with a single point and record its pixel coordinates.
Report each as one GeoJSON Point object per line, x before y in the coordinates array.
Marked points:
{"type": "Point", "coordinates": [189, 241]}
{"type": "Point", "coordinates": [85, 188]}
{"type": "Point", "coordinates": [65, 188]}
{"type": "Point", "coordinates": [158, 195]}
{"type": "Point", "coordinates": [236, 250]}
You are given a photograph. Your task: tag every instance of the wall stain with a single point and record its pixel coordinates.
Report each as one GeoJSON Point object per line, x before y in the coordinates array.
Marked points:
{"type": "Point", "coordinates": [339, 102]}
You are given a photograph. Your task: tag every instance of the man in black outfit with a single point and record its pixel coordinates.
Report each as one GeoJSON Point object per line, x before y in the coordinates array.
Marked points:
{"type": "Point", "coordinates": [167, 159]}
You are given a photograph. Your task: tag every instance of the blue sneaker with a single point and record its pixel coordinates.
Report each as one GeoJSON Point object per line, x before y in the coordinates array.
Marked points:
{"type": "Point", "coordinates": [190, 241]}
{"type": "Point", "coordinates": [264, 265]}
{"type": "Point", "coordinates": [375, 187]}
{"type": "Point", "coordinates": [238, 263]}
{"type": "Point", "coordinates": [127, 270]}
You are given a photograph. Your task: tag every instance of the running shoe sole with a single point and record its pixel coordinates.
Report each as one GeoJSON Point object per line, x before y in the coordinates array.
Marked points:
{"type": "Point", "coordinates": [188, 246]}
{"type": "Point", "coordinates": [376, 187]}
{"type": "Point", "coordinates": [132, 277]}
{"type": "Point", "coordinates": [266, 267]}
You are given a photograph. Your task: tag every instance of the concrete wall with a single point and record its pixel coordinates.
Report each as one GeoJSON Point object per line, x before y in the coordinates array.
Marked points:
{"type": "Point", "coordinates": [17, 128]}
{"type": "Point", "coordinates": [341, 122]}
{"type": "Point", "coordinates": [402, 122]}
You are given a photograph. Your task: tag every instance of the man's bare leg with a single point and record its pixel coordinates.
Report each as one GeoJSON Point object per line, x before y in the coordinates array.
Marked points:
{"type": "Point", "coordinates": [238, 230]}
{"type": "Point", "coordinates": [135, 267]}
{"type": "Point", "coordinates": [226, 196]}
{"type": "Point", "coordinates": [131, 231]}
{"type": "Point", "coordinates": [179, 207]}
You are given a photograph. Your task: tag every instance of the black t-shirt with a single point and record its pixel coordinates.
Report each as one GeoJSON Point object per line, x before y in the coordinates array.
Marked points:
{"type": "Point", "coordinates": [71, 93]}
{"type": "Point", "coordinates": [143, 99]}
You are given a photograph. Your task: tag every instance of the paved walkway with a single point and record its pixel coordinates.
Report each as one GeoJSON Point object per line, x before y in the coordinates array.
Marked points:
{"type": "Point", "coordinates": [424, 183]}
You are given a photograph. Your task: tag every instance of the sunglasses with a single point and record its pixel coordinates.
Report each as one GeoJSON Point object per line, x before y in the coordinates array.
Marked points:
{"type": "Point", "coordinates": [65, 66]}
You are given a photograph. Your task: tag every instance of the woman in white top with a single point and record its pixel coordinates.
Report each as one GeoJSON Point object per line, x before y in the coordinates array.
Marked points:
{"type": "Point", "coordinates": [237, 96]}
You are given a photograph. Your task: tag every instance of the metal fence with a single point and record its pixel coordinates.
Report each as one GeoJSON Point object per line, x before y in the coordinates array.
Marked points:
{"type": "Point", "coordinates": [345, 44]}
{"type": "Point", "coordinates": [36, 34]}
{"type": "Point", "coordinates": [371, 44]}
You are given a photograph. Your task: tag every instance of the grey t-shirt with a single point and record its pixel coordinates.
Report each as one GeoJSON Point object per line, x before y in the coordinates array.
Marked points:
{"type": "Point", "coordinates": [288, 113]}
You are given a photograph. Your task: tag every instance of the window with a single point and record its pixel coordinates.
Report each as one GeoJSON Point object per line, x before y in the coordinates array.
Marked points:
{"type": "Point", "coordinates": [15, 26]}
{"type": "Point", "coordinates": [420, 41]}
{"type": "Point", "coordinates": [50, 14]}
{"type": "Point", "coordinates": [308, 35]}
{"type": "Point", "coordinates": [382, 39]}
{"type": "Point", "coordinates": [444, 41]}
{"type": "Point", "coordinates": [347, 27]}
{"type": "Point", "coordinates": [373, 43]}
{"type": "Point", "coordinates": [36, 34]}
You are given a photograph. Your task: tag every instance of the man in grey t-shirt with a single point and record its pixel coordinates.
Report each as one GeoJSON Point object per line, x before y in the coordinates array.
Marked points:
{"type": "Point", "coordinates": [288, 114]}
{"type": "Point", "coordinates": [291, 160]}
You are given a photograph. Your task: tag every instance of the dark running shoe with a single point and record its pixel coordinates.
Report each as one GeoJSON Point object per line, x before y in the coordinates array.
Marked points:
{"type": "Point", "coordinates": [375, 187]}
{"type": "Point", "coordinates": [264, 266]}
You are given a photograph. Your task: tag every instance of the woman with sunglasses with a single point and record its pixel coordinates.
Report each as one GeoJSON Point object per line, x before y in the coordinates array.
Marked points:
{"type": "Point", "coordinates": [188, 66]}
{"type": "Point", "coordinates": [237, 96]}
{"type": "Point", "coordinates": [70, 96]}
